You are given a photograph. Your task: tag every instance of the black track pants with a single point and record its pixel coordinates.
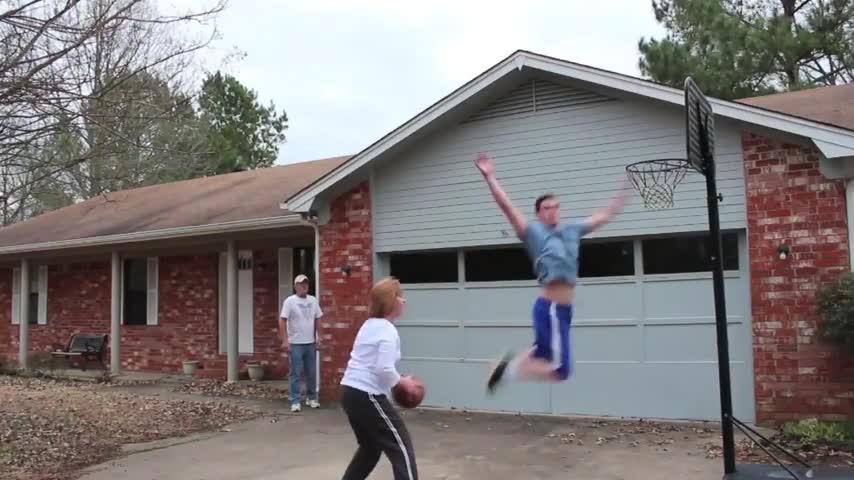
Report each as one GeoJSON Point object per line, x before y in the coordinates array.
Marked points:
{"type": "Point", "coordinates": [378, 429]}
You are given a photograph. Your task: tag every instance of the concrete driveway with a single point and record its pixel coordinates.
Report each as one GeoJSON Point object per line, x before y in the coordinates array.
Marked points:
{"type": "Point", "coordinates": [318, 444]}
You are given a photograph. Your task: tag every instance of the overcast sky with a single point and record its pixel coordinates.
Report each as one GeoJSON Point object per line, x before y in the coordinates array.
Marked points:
{"type": "Point", "coordinates": [349, 71]}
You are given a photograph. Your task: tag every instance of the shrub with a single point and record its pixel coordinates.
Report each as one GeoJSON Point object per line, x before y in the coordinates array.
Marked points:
{"type": "Point", "coordinates": [813, 431]}
{"type": "Point", "coordinates": [40, 363]}
{"type": "Point", "coordinates": [834, 302]}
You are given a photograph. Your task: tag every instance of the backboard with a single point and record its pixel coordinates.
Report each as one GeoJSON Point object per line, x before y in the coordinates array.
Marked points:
{"type": "Point", "coordinates": [700, 127]}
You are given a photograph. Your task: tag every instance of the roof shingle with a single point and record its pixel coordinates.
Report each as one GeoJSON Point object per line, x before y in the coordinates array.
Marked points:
{"type": "Point", "coordinates": [832, 105]}
{"type": "Point", "coordinates": [253, 194]}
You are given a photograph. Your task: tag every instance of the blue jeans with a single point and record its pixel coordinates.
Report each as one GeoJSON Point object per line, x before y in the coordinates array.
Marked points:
{"type": "Point", "coordinates": [302, 358]}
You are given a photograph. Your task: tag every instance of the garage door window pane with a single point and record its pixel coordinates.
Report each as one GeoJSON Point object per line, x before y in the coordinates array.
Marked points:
{"type": "Point", "coordinates": [606, 259]}
{"type": "Point", "coordinates": [498, 264]}
{"type": "Point", "coordinates": [686, 254]}
{"type": "Point", "coordinates": [433, 267]}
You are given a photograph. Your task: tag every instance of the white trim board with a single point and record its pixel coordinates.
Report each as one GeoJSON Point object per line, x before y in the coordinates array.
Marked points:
{"type": "Point", "coordinates": [832, 141]}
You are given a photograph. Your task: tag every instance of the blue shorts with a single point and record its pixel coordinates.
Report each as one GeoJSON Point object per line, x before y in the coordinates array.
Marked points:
{"type": "Point", "coordinates": [551, 335]}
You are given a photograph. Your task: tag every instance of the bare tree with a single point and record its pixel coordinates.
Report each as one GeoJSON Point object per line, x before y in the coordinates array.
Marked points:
{"type": "Point", "coordinates": [90, 92]}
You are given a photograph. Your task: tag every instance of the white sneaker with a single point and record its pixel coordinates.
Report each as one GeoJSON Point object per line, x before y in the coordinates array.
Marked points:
{"type": "Point", "coordinates": [295, 407]}
{"type": "Point", "coordinates": [313, 404]}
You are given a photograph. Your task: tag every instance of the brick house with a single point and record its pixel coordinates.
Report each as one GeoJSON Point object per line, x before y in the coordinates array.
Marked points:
{"type": "Point", "coordinates": [160, 265]}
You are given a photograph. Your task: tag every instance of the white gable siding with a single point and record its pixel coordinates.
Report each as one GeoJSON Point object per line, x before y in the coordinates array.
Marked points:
{"type": "Point", "coordinates": [546, 137]}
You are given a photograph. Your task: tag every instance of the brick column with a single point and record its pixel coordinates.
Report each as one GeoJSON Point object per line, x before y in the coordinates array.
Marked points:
{"type": "Point", "coordinates": [789, 202]}
{"type": "Point", "coordinates": [344, 241]}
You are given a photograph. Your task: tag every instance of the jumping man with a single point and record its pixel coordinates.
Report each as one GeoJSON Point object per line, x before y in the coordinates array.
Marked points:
{"type": "Point", "coordinates": [554, 251]}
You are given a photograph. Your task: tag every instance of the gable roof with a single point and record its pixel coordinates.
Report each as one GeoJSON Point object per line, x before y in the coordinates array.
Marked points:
{"type": "Point", "coordinates": [833, 105]}
{"type": "Point", "coordinates": [233, 201]}
{"type": "Point", "coordinates": [833, 141]}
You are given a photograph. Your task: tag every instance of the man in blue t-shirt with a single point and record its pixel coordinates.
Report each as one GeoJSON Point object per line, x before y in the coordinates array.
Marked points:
{"type": "Point", "coordinates": [553, 249]}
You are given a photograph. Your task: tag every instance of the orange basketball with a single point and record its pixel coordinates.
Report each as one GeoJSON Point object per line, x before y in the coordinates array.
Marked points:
{"type": "Point", "coordinates": [411, 397]}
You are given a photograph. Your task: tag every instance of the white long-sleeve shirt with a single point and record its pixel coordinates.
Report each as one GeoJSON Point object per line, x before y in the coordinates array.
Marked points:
{"type": "Point", "coordinates": [376, 350]}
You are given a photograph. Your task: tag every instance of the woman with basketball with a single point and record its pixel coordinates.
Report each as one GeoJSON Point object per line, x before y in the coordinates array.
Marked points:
{"type": "Point", "coordinates": [554, 251]}
{"type": "Point", "coordinates": [370, 377]}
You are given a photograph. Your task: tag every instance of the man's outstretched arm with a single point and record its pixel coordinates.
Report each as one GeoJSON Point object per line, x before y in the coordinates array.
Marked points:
{"type": "Point", "coordinates": [517, 220]}
{"type": "Point", "coordinates": [615, 206]}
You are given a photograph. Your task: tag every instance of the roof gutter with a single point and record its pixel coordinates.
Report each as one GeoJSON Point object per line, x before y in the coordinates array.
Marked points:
{"type": "Point", "coordinates": [162, 234]}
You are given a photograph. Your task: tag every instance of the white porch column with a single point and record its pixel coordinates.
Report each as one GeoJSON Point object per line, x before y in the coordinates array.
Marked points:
{"type": "Point", "coordinates": [116, 316]}
{"type": "Point", "coordinates": [849, 204]}
{"type": "Point", "coordinates": [24, 316]}
{"type": "Point", "coordinates": [231, 310]}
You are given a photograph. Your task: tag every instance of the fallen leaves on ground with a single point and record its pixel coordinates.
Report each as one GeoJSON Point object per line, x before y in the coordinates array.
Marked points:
{"type": "Point", "coordinates": [660, 436]}
{"type": "Point", "coordinates": [746, 451]}
{"type": "Point", "coordinates": [52, 427]}
{"type": "Point", "coordinates": [218, 388]}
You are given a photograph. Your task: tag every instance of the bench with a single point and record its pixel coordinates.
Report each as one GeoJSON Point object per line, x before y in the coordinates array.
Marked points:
{"type": "Point", "coordinates": [86, 346]}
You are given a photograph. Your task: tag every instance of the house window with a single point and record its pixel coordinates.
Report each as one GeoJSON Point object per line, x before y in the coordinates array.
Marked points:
{"type": "Point", "coordinates": [426, 267]}
{"type": "Point", "coordinates": [606, 259]}
{"type": "Point", "coordinates": [686, 254]}
{"type": "Point", "coordinates": [33, 314]}
{"type": "Point", "coordinates": [498, 264]}
{"type": "Point", "coordinates": [135, 291]}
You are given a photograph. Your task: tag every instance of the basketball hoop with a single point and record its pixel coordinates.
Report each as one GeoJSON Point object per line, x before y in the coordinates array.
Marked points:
{"type": "Point", "coordinates": [656, 180]}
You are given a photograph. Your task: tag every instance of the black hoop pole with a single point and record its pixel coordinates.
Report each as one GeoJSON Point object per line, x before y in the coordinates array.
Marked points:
{"type": "Point", "coordinates": [716, 259]}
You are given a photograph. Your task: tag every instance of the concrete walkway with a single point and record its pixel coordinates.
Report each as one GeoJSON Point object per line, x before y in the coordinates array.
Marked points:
{"type": "Point", "coordinates": [317, 445]}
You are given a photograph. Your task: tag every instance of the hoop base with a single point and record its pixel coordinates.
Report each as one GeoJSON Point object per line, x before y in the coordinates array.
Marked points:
{"type": "Point", "coordinates": [656, 180]}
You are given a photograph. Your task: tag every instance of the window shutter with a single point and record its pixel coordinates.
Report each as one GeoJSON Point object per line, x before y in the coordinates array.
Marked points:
{"type": "Point", "coordinates": [286, 274]}
{"type": "Point", "coordinates": [153, 280]}
{"type": "Point", "coordinates": [122, 292]}
{"type": "Point", "coordinates": [42, 320]}
{"type": "Point", "coordinates": [16, 296]}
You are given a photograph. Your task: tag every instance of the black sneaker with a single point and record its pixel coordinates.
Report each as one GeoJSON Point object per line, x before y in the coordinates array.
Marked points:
{"type": "Point", "coordinates": [498, 372]}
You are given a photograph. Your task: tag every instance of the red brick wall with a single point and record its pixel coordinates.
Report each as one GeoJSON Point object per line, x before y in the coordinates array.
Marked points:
{"type": "Point", "coordinates": [187, 320]}
{"type": "Point", "coordinates": [79, 300]}
{"type": "Point", "coordinates": [797, 374]}
{"type": "Point", "coordinates": [344, 240]}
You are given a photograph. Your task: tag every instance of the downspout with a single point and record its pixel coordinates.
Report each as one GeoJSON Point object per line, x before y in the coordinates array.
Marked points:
{"type": "Point", "coordinates": [310, 219]}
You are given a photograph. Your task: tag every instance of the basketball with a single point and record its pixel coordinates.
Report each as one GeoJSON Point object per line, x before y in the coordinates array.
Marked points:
{"type": "Point", "coordinates": [409, 398]}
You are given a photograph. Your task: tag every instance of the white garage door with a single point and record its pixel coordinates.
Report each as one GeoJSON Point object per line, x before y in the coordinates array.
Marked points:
{"type": "Point", "coordinates": [643, 332]}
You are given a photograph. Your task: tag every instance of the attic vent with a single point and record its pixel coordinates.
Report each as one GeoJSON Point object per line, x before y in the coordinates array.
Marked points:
{"type": "Point", "coordinates": [538, 96]}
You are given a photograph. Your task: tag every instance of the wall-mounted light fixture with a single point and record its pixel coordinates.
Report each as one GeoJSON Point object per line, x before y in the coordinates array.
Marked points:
{"type": "Point", "coordinates": [784, 250]}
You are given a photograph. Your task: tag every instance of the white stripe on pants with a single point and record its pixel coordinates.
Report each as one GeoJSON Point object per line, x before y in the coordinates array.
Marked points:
{"type": "Point", "coordinates": [557, 349]}
{"type": "Point", "coordinates": [396, 435]}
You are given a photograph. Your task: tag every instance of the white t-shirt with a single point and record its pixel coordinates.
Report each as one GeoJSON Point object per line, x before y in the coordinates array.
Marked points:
{"type": "Point", "coordinates": [375, 353]}
{"type": "Point", "coordinates": [301, 313]}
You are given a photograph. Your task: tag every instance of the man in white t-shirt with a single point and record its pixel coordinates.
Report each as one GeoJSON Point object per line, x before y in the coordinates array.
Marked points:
{"type": "Point", "coordinates": [298, 331]}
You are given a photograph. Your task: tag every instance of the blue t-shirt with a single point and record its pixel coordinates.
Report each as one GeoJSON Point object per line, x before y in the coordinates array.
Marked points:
{"type": "Point", "coordinates": [554, 250]}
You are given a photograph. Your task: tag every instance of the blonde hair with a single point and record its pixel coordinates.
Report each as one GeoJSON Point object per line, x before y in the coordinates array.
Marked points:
{"type": "Point", "coordinates": [384, 297]}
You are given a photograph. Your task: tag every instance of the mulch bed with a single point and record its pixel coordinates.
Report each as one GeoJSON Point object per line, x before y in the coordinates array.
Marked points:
{"type": "Point", "coordinates": [49, 428]}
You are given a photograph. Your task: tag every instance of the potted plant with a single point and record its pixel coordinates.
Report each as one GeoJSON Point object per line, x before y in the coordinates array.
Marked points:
{"type": "Point", "coordinates": [190, 367]}
{"type": "Point", "coordinates": [256, 370]}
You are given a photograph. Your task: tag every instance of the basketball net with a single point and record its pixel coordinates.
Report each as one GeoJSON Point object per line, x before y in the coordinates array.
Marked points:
{"type": "Point", "coordinates": [656, 181]}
